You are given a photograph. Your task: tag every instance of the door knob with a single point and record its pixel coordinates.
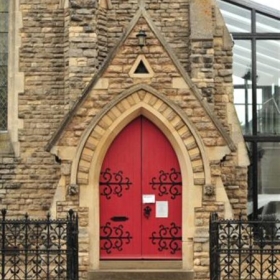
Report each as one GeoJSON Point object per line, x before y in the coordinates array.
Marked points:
{"type": "Point", "coordinates": [147, 211]}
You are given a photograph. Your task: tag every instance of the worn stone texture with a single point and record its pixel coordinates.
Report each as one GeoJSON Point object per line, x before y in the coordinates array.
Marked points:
{"type": "Point", "coordinates": [62, 48]}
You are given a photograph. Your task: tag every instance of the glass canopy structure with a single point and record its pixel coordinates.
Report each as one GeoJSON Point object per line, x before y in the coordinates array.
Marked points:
{"type": "Point", "coordinates": [256, 76]}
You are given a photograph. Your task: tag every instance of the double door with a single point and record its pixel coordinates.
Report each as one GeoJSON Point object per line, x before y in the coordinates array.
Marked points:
{"type": "Point", "coordinates": [140, 196]}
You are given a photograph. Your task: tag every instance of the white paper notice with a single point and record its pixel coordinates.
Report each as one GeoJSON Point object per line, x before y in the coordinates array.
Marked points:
{"type": "Point", "coordinates": [149, 198]}
{"type": "Point", "coordinates": [161, 209]}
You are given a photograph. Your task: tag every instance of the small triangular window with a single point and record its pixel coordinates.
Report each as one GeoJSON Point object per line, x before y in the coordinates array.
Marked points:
{"type": "Point", "coordinates": [141, 68]}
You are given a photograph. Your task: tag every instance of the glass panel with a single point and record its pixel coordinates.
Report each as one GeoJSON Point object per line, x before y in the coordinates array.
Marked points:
{"type": "Point", "coordinates": [268, 82]}
{"type": "Point", "coordinates": [3, 96]}
{"type": "Point", "coordinates": [237, 19]}
{"type": "Point", "coordinates": [267, 24]}
{"type": "Point", "coordinates": [3, 108]}
{"type": "Point", "coordinates": [3, 76]}
{"type": "Point", "coordinates": [3, 59]}
{"type": "Point", "coordinates": [4, 5]}
{"type": "Point", "coordinates": [268, 189]}
{"type": "Point", "coordinates": [4, 22]}
{"type": "Point", "coordinates": [243, 84]}
{"type": "Point", "coordinates": [3, 42]}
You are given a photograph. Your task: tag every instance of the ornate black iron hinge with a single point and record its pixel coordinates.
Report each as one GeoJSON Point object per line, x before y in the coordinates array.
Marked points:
{"type": "Point", "coordinates": [167, 238]}
{"type": "Point", "coordinates": [168, 183]}
{"type": "Point", "coordinates": [113, 183]}
{"type": "Point", "coordinates": [114, 237]}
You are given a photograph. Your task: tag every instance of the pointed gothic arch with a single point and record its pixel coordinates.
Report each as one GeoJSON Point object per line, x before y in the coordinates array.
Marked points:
{"type": "Point", "coordinates": [136, 101]}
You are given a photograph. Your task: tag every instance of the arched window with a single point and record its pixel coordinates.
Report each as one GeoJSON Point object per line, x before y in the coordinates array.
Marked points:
{"type": "Point", "coordinates": [4, 28]}
{"type": "Point", "coordinates": [11, 79]}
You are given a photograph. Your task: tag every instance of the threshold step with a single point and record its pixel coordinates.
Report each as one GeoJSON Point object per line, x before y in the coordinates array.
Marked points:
{"type": "Point", "coordinates": [140, 275]}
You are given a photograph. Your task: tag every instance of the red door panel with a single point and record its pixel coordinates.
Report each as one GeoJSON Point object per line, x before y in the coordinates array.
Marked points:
{"type": "Point", "coordinates": [120, 189]}
{"type": "Point", "coordinates": [161, 236]}
{"type": "Point", "coordinates": [140, 162]}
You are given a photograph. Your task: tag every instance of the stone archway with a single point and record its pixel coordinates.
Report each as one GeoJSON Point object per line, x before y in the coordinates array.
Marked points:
{"type": "Point", "coordinates": [141, 100]}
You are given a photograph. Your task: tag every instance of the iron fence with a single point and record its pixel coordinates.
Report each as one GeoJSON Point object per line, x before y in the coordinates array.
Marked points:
{"type": "Point", "coordinates": [39, 249]}
{"type": "Point", "coordinates": [244, 249]}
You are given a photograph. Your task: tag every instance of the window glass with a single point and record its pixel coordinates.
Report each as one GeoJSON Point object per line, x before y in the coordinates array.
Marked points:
{"type": "Point", "coordinates": [268, 82]}
{"type": "Point", "coordinates": [243, 83]}
{"type": "Point", "coordinates": [268, 187]}
{"type": "Point", "coordinates": [263, 181]}
{"type": "Point", "coordinates": [4, 6]}
{"type": "Point", "coordinates": [4, 20]}
{"type": "Point", "coordinates": [268, 165]}
{"type": "Point", "coordinates": [238, 19]}
{"type": "Point", "coordinates": [267, 24]}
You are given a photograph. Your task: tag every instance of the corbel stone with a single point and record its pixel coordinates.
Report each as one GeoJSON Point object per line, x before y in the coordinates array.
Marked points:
{"type": "Point", "coordinates": [209, 190]}
{"type": "Point", "coordinates": [73, 189]}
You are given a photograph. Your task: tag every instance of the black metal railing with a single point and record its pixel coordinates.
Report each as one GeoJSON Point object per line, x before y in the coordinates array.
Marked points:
{"type": "Point", "coordinates": [243, 249]}
{"type": "Point", "coordinates": [39, 249]}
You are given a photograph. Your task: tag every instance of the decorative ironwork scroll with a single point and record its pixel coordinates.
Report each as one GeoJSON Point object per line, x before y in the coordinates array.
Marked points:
{"type": "Point", "coordinates": [167, 238]}
{"type": "Point", "coordinates": [39, 249]}
{"type": "Point", "coordinates": [244, 249]}
{"type": "Point", "coordinates": [114, 237]}
{"type": "Point", "coordinates": [113, 183]}
{"type": "Point", "coordinates": [168, 183]}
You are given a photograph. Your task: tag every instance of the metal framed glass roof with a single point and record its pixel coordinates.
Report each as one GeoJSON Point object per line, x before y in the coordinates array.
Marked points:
{"type": "Point", "coordinates": [250, 20]}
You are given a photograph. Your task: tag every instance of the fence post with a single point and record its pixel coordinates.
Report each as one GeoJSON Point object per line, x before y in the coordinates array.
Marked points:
{"type": "Point", "coordinates": [213, 247]}
{"type": "Point", "coordinates": [26, 245]}
{"type": "Point", "coordinates": [72, 246]}
{"type": "Point", "coordinates": [3, 212]}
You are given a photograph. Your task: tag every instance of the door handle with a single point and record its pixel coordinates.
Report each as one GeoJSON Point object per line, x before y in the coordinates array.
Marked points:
{"type": "Point", "coordinates": [147, 211]}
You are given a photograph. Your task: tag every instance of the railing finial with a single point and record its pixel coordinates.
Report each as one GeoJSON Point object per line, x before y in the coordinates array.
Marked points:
{"type": "Point", "coordinates": [4, 212]}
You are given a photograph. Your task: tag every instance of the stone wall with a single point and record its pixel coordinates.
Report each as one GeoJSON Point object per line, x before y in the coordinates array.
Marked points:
{"type": "Point", "coordinates": [8, 165]}
{"type": "Point", "coordinates": [81, 48]}
{"type": "Point", "coordinates": [172, 19]}
{"type": "Point", "coordinates": [33, 176]}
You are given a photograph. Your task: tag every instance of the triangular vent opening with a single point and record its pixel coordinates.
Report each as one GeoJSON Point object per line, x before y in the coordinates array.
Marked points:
{"type": "Point", "coordinates": [141, 68]}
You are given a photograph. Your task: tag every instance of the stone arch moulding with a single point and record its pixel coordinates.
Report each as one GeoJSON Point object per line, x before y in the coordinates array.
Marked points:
{"type": "Point", "coordinates": [136, 101]}
{"type": "Point", "coordinates": [125, 105]}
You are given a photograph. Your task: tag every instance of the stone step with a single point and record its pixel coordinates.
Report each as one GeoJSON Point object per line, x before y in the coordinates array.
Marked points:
{"type": "Point", "coordinates": [140, 265]}
{"type": "Point", "coordinates": [140, 275]}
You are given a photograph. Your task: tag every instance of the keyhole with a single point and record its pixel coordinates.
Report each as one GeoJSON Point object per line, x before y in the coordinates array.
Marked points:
{"type": "Point", "coordinates": [147, 211]}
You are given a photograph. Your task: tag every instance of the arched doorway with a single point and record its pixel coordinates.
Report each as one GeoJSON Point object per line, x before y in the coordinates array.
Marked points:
{"type": "Point", "coordinates": [140, 196]}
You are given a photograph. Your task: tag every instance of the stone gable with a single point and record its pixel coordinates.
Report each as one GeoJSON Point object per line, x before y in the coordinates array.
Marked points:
{"type": "Point", "coordinates": [113, 80]}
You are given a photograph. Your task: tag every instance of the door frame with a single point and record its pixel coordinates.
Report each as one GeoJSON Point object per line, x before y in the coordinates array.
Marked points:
{"type": "Point", "coordinates": [184, 139]}
{"type": "Point", "coordinates": [136, 141]}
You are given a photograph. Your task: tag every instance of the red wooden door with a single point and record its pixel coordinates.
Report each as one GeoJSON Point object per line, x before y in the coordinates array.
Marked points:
{"type": "Point", "coordinates": [140, 196]}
